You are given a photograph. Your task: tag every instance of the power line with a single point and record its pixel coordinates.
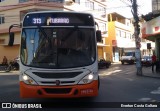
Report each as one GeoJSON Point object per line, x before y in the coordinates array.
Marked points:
{"type": "Point", "coordinates": [119, 7]}
{"type": "Point", "coordinates": [84, 10]}
{"type": "Point", "coordinates": [62, 3]}
{"type": "Point", "coordinates": [107, 9]}
{"type": "Point", "coordinates": [126, 3]}
{"type": "Point", "coordinates": [24, 3]}
{"type": "Point", "coordinates": [131, 1]}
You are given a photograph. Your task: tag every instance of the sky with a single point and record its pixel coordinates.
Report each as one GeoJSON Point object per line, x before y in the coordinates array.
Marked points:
{"type": "Point", "coordinates": [144, 7]}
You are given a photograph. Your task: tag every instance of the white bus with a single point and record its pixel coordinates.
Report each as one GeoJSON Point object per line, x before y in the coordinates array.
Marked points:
{"type": "Point", "coordinates": [58, 55]}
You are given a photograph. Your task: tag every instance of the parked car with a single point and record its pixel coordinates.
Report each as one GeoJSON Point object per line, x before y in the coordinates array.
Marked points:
{"type": "Point", "coordinates": [103, 63]}
{"type": "Point", "coordinates": [146, 60]}
{"type": "Point", "coordinates": [128, 57]}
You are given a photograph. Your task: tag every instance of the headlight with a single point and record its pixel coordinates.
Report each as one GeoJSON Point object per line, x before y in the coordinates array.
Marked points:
{"type": "Point", "coordinates": [87, 79]}
{"type": "Point", "coordinates": [28, 80]}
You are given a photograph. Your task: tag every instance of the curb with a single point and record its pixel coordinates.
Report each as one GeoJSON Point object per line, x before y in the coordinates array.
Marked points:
{"type": "Point", "coordinates": [150, 76]}
{"type": "Point", "coordinates": [14, 72]}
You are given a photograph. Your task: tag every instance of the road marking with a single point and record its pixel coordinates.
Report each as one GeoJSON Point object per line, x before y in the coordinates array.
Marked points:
{"type": "Point", "coordinates": [109, 73]}
{"type": "Point", "coordinates": [156, 91]}
{"type": "Point", "coordinates": [147, 100]}
{"type": "Point", "coordinates": [118, 71]}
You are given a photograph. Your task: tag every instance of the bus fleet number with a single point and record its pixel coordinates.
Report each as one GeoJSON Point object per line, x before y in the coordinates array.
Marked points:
{"type": "Point", "coordinates": [37, 21]}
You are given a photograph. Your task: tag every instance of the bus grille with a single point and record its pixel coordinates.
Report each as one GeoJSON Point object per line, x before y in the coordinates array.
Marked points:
{"type": "Point", "coordinates": [62, 82]}
{"type": "Point", "coordinates": [57, 75]}
{"type": "Point", "coordinates": [57, 90]}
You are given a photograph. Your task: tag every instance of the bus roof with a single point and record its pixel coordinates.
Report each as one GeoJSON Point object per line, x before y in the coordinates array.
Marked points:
{"type": "Point", "coordinates": [51, 11]}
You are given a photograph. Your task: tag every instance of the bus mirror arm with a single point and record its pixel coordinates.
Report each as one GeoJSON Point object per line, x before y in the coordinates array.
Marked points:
{"type": "Point", "coordinates": [11, 34]}
{"type": "Point", "coordinates": [98, 36]}
{"type": "Point", "coordinates": [98, 33]}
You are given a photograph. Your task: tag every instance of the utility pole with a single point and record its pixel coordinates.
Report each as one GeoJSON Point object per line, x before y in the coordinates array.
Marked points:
{"type": "Point", "coordinates": [137, 38]}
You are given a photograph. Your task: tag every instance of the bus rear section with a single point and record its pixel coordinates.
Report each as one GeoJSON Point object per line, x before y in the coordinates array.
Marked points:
{"type": "Point", "coordinates": [58, 55]}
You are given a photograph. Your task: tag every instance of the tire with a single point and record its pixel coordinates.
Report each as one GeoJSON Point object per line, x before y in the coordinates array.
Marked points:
{"type": "Point", "coordinates": [122, 62]}
{"type": "Point", "coordinates": [131, 63]}
{"type": "Point", "coordinates": [107, 66]}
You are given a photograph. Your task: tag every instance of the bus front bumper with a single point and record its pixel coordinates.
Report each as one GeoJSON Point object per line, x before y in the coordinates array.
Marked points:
{"type": "Point", "coordinates": [31, 91]}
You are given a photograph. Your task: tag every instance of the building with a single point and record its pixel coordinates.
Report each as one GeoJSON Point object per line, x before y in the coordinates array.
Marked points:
{"type": "Point", "coordinates": [120, 31]}
{"type": "Point", "coordinates": [151, 31]}
{"type": "Point", "coordinates": [151, 27]}
{"type": "Point", "coordinates": [12, 12]}
{"type": "Point", "coordinates": [121, 37]}
{"type": "Point", "coordinates": [155, 5]}
{"type": "Point", "coordinates": [147, 46]}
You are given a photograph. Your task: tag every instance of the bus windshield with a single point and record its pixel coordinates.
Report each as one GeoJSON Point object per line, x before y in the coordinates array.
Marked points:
{"type": "Point", "coordinates": [55, 47]}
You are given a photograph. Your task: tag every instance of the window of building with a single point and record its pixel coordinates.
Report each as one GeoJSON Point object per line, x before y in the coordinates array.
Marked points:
{"type": "Point", "coordinates": [1, 19]}
{"type": "Point", "coordinates": [59, 1]}
{"type": "Point", "coordinates": [101, 9]}
{"type": "Point", "coordinates": [123, 34]}
{"type": "Point", "coordinates": [118, 33]}
{"type": "Point", "coordinates": [102, 27]}
{"type": "Point", "coordinates": [89, 4]}
{"type": "Point", "coordinates": [92, 5]}
{"type": "Point", "coordinates": [77, 1]}
{"type": "Point", "coordinates": [128, 35]}
{"type": "Point", "coordinates": [21, 1]}
{"type": "Point", "coordinates": [2, 41]}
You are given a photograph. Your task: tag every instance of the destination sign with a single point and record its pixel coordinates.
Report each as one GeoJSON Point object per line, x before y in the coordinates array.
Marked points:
{"type": "Point", "coordinates": [51, 20]}
{"type": "Point", "coordinates": [58, 19]}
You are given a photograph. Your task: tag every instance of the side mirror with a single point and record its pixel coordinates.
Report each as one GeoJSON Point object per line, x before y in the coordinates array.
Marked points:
{"type": "Point", "coordinates": [98, 36]}
{"type": "Point", "coordinates": [11, 39]}
{"type": "Point", "coordinates": [11, 34]}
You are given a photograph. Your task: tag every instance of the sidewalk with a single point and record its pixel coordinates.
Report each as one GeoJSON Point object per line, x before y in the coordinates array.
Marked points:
{"type": "Point", "coordinates": [147, 72]}
{"type": "Point", "coordinates": [3, 68]}
{"type": "Point", "coordinates": [11, 72]}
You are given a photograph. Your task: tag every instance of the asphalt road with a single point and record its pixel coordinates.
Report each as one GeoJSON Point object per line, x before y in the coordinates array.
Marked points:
{"type": "Point", "coordinates": [119, 84]}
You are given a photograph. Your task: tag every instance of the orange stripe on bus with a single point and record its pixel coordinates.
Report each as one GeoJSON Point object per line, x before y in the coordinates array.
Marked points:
{"type": "Point", "coordinates": [32, 91]}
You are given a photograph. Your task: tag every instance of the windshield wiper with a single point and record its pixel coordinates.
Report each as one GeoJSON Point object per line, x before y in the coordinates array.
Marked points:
{"type": "Point", "coordinates": [43, 32]}
{"type": "Point", "coordinates": [70, 33]}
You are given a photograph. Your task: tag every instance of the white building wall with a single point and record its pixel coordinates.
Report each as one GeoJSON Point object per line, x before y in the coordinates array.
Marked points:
{"type": "Point", "coordinates": [9, 2]}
